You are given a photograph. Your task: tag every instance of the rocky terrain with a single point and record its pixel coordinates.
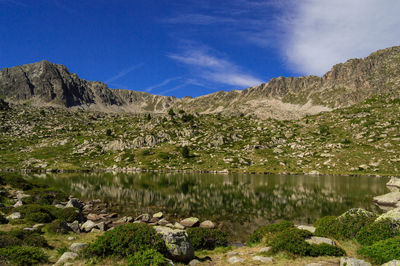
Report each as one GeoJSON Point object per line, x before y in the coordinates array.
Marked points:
{"type": "Point", "coordinates": [47, 84]}
{"type": "Point", "coordinates": [363, 139]}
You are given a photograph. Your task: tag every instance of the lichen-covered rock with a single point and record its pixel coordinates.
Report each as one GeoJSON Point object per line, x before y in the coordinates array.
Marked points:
{"type": "Point", "coordinates": [177, 241]}
{"type": "Point", "coordinates": [346, 261]}
{"type": "Point", "coordinates": [263, 259]}
{"type": "Point", "coordinates": [74, 203]}
{"type": "Point", "coordinates": [14, 216]}
{"type": "Point", "coordinates": [308, 228]}
{"type": "Point", "coordinates": [394, 182]}
{"type": "Point", "coordinates": [67, 256]}
{"type": "Point", "coordinates": [207, 224]}
{"type": "Point", "coordinates": [76, 247]}
{"type": "Point", "coordinates": [233, 260]}
{"type": "Point", "coordinates": [320, 240]}
{"type": "Point", "coordinates": [88, 226]}
{"type": "Point", "coordinates": [389, 199]}
{"type": "Point", "coordinates": [392, 263]}
{"type": "Point", "coordinates": [393, 215]}
{"type": "Point", "coordinates": [357, 212]}
{"type": "Point", "coordinates": [190, 222]}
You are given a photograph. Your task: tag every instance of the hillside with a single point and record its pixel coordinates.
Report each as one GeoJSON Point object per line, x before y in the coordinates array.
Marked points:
{"type": "Point", "coordinates": [48, 84]}
{"type": "Point", "coordinates": [363, 139]}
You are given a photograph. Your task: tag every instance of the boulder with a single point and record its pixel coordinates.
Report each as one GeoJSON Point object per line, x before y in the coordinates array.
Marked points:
{"type": "Point", "coordinates": [207, 224]}
{"type": "Point", "coordinates": [163, 222]}
{"type": "Point", "coordinates": [320, 240]}
{"type": "Point", "coordinates": [178, 226]}
{"type": "Point", "coordinates": [18, 204]}
{"type": "Point", "coordinates": [194, 262]}
{"type": "Point", "coordinates": [75, 227]}
{"type": "Point", "coordinates": [389, 199]}
{"type": "Point", "coordinates": [266, 249]}
{"type": "Point", "coordinates": [190, 222]}
{"type": "Point", "coordinates": [392, 263]}
{"type": "Point", "coordinates": [394, 182]}
{"type": "Point", "coordinates": [263, 259]}
{"type": "Point", "coordinates": [93, 217]}
{"type": "Point", "coordinates": [393, 215]}
{"type": "Point", "coordinates": [143, 218]}
{"type": "Point", "coordinates": [14, 216]}
{"type": "Point", "coordinates": [178, 243]}
{"type": "Point", "coordinates": [357, 212]}
{"type": "Point", "coordinates": [67, 256]}
{"type": "Point", "coordinates": [233, 260]}
{"type": "Point", "coordinates": [73, 202]}
{"type": "Point", "coordinates": [308, 228]}
{"type": "Point", "coordinates": [346, 261]}
{"type": "Point", "coordinates": [76, 247]}
{"type": "Point", "coordinates": [88, 226]}
{"type": "Point", "coordinates": [158, 215]}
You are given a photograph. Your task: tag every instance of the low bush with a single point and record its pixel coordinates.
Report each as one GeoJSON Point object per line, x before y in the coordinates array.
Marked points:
{"type": "Point", "coordinates": [126, 240]}
{"type": "Point", "coordinates": [203, 238]}
{"type": "Point", "coordinates": [24, 255]}
{"type": "Point", "coordinates": [57, 227]}
{"type": "Point", "coordinates": [39, 217]}
{"type": "Point", "coordinates": [259, 234]}
{"type": "Point", "coordinates": [291, 240]}
{"type": "Point", "coordinates": [45, 196]}
{"type": "Point", "coordinates": [7, 240]}
{"type": "Point", "coordinates": [69, 214]}
{"type": "Point", "coordinates": [345, 226]}
{"type": "Point", "coordinates": [29, 209]}
{"type": "Point", "coordinates": [35, 240]}
{"type": "Point", "coordinates": [16, 181]}
{"type": "Point", "coordinates": [382, 251]}
{"type": "Point", "coordinates": [377, 231]}
{"type": "Point", "coordinates": [147, 257]}
{"type": "Point", "coordinates": [325, 250]}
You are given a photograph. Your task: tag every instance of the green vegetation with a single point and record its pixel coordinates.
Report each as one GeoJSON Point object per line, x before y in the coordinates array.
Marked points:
{"type": "Point", "coordinates": [203, 238]}
{"type": "Point", "coordinates": [126, 240]}
{"type": "Point", "coordinates": [267, 231]}
{"type": "Point", "coordinates": [24, 256]}
{"type": "Point", "coordinates": [376, 231]}
{"type": "Point", "coordinates": [147, 257]}
{"type": "Point", "coordinates": [382, 251]}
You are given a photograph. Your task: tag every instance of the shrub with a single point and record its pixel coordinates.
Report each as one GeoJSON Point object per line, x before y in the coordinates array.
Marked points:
{"type": "Point", "coordinates": [382, 251]}
{"type": "Point", "coordinates": [291, 240]}
{"type": "Point", "coordinates": [24, 255]}
{"type": "Point", "coordinates": [126, 240]}
{"type": "Point", "coordinates": [45, 196]}
{"type": "Point", "coordinates": [325, 250]}
{"type": "Point", "coordinates": [265, 230]}
{"type": "Point", "coordinates": [36, 240]}
{"type": "Point", "coordinates": [203, 238]}
{"type": "Point", "coordinates": [16, 181]}
{"type": "Point", "coordinates": [29, 209]}
{"type": "Point", "coordinates": [58, 227]}
{"type": "Point", "coordinates": [185, 152]}
{"type": "Point", "coordinates": [7, 240]}
{"type": "Point", "coordinates": [345, 226]}
{"type": "Point", "coordinates": [147, 257]}
{"type": "Point", "coordinates": [39, 217]}
{"type": "Point", "coordinates": [3, 220]}
{"type": "Point", "coordinates": [377, 231]}
{"type": "Point", "coordinates": [69, 215]}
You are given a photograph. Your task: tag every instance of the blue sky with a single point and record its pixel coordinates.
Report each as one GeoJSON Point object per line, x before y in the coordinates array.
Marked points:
{"type": "Point", "coordinates": [190, 48]}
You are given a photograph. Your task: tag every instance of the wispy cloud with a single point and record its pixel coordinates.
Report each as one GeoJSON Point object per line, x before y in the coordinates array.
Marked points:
{"type": "Point", "coordinates": [213, 68]}
{"type": "Point", "coordinates": [161, 84]}
{"type": "Point", "coordinates": [184, 84]}
{"type": "Point", "coordinates": [321, 33]}
{"type": "Point", "coordinates": [123, 73]}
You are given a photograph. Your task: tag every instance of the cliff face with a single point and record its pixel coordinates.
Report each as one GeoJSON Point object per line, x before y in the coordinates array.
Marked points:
{"type": "Point", "coordinates": [282, 98]}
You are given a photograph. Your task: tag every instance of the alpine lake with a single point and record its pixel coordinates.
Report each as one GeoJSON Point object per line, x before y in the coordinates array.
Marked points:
{"type": "Point", "coordinates": [237, 202]}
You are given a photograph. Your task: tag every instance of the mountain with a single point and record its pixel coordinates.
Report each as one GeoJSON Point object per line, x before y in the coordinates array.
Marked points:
{"type": "Point", "coordinates": [45, 83]}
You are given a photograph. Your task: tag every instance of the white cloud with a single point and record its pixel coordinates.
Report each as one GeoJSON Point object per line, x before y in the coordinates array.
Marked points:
{"type": "Point", "coordinates": [123, 73]}
{"type": "Point", "coordinates": [321, 33]}
{"type": "Point", "coordinates": [216, 69]}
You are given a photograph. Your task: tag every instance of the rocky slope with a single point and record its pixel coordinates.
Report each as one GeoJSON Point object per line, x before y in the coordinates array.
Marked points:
{"type": "Point", "coordinates": [44, 83]}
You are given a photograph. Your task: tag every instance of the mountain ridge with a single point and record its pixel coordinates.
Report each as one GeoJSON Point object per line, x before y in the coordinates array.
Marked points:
{"type": "Point", "coordinates": [348, 83]}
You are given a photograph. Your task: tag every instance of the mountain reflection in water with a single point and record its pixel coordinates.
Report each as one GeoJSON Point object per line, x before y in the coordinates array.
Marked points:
{"type": "Point", "coordinates": [235, 199]}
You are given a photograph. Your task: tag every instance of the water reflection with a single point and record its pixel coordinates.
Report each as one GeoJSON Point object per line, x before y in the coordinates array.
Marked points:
{"type": "Point", "coordinates": [249, 200]}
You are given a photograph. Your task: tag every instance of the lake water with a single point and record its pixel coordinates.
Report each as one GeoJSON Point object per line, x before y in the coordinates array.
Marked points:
{"type": "Point", "coordinates": [241, 202]}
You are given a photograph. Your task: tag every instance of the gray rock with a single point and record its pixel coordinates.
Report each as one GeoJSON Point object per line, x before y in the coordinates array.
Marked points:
{"type": "Point", "coordinates": [75, 227]}
{"type": "Point", "coordinates": [158, 215]}
{"type": "Point", "coordinates": [266, 249]}
{"type": "Point", "coordinates": [233, 260]}
{"type": "Point", "coordinates": [18, 204]}
{"type": "Point", "coordinates": [308, 228]}
{"type": "Point", "coordinates": [70, 238]}
{"type": "Point", "coordinates": [67, 256]}
{"type": "Point", "coordinates": [320, 240]}
{"type": "Point", "coordinates": [190, 222]}
{"type": "Point", "coordinates": [143, 218]}
{"type": "Point", "coordinates": [194, 262]}
{"type": "Point", "coordinates": [389, 199]}
{"type": "Point", "coordinates": [207, 224]}
{"type": "Point", "coordinates": [178, 243]}
{"type": "Point", "coordinates": [21, 195]}
{"type": "Point", "coordinates": [88, 226]}
{"type": "Point", "coordinates": [231, 253]}
{"type": "Point", "coordinates": [263, 259]}
{"type": "Point", "coordinates": [178, 226]}
{"type": "Point", "coordinates": [38, 226]}
{"type": "Point", "coordinates": [393, 215]}
{"type": "Point", "coordinates": [346, 261]}
{"type": "Point", "coordinates": [74, 203]}
{"type": "Point", "coordinates": [14, 216]}
{"type": "Point", "coordinates": [357, 212]}
{"type": "Point", "coordinates": [102, 226]}
{"type": "Point", "coordinates": [59, 206]}
{"type": "Point", "coordinates": [76, 247]}
{"type": "Point", "coordinates": [163, 222]}
{"type": "Point", "coordinates": [394, 182]}
{"type": "Point", "coordinates": [314, 264]}
{"type": "Point", "coordinates": [392, 263]}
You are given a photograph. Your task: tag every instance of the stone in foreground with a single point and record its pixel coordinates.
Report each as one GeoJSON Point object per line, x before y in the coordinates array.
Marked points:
{"type": "Point", "coordinates": [233, 260]}
{"type": "Point", "coordinates": [67, 256]}
{"type": "Point", "coordinates": [393, 215]}
{"type": "Point", "coordinates": [346, 261]}
{"type": "Point", "coordinates": [177, 242]}
{"type": "Point", "coordinates": [76, 247]}
{"type": "Point", "coordinates": [263, 259]}
{"type": "Point", "coordinates": [207, 224]}
{"type": "Point", "coordinates": [308, 228]}
{"type": "Point", "coordinates": [190, 222]}
{"type": "Point", "coordinates": [14, 216]}
{"type": "Point", "coordinates": [389, 199]}
{"type": "Point", "coordinates": [320, 240]}
{"type": "Point", "coordinates": [392, 263]}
